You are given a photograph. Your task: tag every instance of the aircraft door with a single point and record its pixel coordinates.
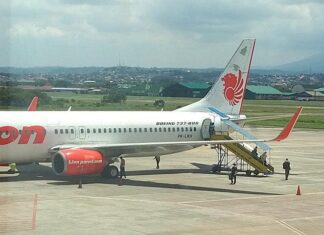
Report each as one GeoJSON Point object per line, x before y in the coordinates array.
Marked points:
{"type": "Point", "coordinates": [205, 129]}
{"type": "Point", "coordinates": [72, 132]}
{"type": "Point", "coordinates": [82, 132]}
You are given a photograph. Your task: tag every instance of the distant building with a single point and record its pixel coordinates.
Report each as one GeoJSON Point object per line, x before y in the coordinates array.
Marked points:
{"type": "Point", "coordinates": [263, 93]}
{"type": "Point", "coordinates": [303, 96]}
{"type": "Point", "coordinates": [319, 94]}
{"type": "Point", "coordinates": [186, 89]}
{"type": "Point", "coordinates": [32, 87]}
{"type": "Point", "coordinates": [75, 90]}
{"type": "Point", "coordinates": [320, 90]}
{"type": "Point", "coordinates": [26, 82]}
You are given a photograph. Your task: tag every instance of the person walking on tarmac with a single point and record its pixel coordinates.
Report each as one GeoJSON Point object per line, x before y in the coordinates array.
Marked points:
{"type": "Point", "coordinates": [157, 159]}
{"type": "Point", "coordinates": [122, 167]}
{"type": "Point", "coordinates": [286, 166]}
{"type": "Point", "coordinates": [233, 174]}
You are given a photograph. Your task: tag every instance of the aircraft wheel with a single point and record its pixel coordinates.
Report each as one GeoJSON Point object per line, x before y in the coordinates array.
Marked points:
{"type": "Point", "coordinates": [110, 172]}
{"type": "Point", "coordinates": [256, 172]}
{"type": "Point", "coordinates": [248, 173]}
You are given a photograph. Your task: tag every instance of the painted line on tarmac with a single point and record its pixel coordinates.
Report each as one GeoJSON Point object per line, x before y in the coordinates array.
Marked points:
{"type": "Point", "coordinates": [34, 212]}
{"type": "Point", "coordinates": [305, 218]}
{"type": "Point", "coordinates": [291, 228]}
{"type": "Point", "coordinates": [247, 198]}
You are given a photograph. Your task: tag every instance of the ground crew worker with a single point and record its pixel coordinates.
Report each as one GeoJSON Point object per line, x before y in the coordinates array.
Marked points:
{"type": "Point", "coordinates": [233, 174]}
{"type": "Point", "coordinates": [286, 166]}
{"type": "Point", "coordinates": [157, 159]}
{"type": "Point", "coordinates": [122, 167]}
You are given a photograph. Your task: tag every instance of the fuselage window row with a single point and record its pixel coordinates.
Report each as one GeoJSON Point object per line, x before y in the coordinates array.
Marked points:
{"type": "Point", "coordinates": [120, 130]}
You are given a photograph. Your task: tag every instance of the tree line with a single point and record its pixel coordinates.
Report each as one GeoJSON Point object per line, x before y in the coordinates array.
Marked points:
{"type": "Point", "coordinates": [17, 97]}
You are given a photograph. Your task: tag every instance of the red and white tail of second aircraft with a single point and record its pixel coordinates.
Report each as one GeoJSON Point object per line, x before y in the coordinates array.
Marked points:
{"type": "Point", "coordinates": [86, 142]}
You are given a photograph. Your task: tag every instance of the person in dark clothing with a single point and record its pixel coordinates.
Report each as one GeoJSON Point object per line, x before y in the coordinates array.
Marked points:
{"type": "Point", "coordinates": [157, 159]}
{"type": "Point", "coordinates": [122, 167]}
{"type": "Point", "coordinates": [255, 151]}
{"type": "Point", "coordinates": [286, 166]}
{"type": "Point", "coordinates": [233, 174]}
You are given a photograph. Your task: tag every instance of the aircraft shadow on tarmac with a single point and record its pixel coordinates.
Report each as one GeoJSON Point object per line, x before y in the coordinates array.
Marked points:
{"type": "Point", "coordinates": [41, 172]}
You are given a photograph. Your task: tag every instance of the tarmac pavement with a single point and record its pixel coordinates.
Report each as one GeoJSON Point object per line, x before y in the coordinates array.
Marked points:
{"type": "Point", "coordinates": [182, 197]}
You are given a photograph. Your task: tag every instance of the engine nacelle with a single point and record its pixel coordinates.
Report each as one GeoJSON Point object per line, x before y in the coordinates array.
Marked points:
{"type": "Point", "coordinates": [78, 162]}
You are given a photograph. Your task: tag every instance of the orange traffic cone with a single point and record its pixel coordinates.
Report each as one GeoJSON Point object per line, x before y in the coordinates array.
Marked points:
{"type": "Point", "coordinates": [298, 191]}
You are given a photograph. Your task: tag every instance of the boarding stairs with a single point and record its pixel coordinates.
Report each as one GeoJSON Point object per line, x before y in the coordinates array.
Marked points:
{"type": "Point", "coordinates": [243, 152]}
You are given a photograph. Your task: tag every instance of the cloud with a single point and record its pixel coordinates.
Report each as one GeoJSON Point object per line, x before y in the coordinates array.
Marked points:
{"type": "Point", "coordinates": [183, 33]}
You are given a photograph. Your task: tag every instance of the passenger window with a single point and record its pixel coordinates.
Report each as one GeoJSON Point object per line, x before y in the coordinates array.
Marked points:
{"type": "Point", "coordinates": [139, 129]}
{"type": "Point", "coordinates": [169, 129]}
{"type": "Point", "coordinates": [94, 130]}
{"type": "Point", "coordinates": [105, 130]}
{"type": "Point", "coordinates": [99, 130]}
{"type": "Point", "coordinates": [82, 131]}
{"type": "Point", "coordinates": [151, 129]}
{"type": "Point", "coordinates": [195, 129]}
{"type": "Point", "coordinates": [61, 131]}
{"type": "Point", "coordinates": [129, 130]}
{"type": "Point", "coordinates": [178, 129]}
{"type": "Point", "coordinates": [164, 129]}
{"type": "Point", "coordinates": [119, 130]}
{"type": "Point", "coordinates": [115, 130]}
{"type": "Point", "coordinates": [125, 130]}
{"type": "Point", "coordinates": [190, 128]}
{"type": "Point", "coordinates": [145, 129]}
{"type": "Point", "coordinates": [186, 128]}
{"type": "Point", "coordinates": [56, 131]}
{"type": "Point", "coordinates": [182, 129]}
{"type": "Point", "coordinates": [173, 129]}
{"type": "Point", "coordinates": [160, 129]}
{"type": "Point", "coordinates": [72, 131]}
{"type": "Point", "coordinates": [109, 130]}
{"type": "Point", "coordinates": [66, 131]}
{"type": "Point", "coordinates": [135, 129]}
{"type": "Point", "coordinates": [88, 131]}
{"type": "Point", "coordinates": [155, 129]}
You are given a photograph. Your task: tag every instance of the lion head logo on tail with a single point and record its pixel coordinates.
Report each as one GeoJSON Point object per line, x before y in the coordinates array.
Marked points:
{"type": "Point", "coordinates": [233, 87]}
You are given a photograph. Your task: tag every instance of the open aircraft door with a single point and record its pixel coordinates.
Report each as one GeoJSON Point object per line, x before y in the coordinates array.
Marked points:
{"type": "Point", "coordinates": [206, 128]}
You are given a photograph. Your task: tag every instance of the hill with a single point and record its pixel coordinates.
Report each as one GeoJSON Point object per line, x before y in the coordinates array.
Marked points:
{"type": "Point", "coordinates": [313, 64]}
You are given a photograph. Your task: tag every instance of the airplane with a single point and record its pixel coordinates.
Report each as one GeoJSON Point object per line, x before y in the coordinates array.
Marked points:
{"type": "Point", "coordinates": [84, 142]}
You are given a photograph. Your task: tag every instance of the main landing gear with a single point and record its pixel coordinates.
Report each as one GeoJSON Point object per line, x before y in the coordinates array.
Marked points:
{"type": "Point", "coordinates": [110, 171]}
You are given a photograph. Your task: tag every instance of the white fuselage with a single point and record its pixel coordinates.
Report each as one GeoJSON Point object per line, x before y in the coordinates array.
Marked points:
{"type": "Point", "coordinates": [79, 128]}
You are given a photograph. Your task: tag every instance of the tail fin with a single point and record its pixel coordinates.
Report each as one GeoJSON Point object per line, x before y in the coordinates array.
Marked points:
{"type": "Point", "coordinates": [227, 93]}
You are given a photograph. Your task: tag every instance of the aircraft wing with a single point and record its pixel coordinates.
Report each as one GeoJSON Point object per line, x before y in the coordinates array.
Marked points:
{"type": "Point", "coordinates": [133, 148]}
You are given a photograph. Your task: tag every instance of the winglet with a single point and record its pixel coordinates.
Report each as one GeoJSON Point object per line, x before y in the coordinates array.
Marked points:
{"type": "Point", "coordinates": [286, 131]}
{"type": "Point", "coordinates": [33, 104]}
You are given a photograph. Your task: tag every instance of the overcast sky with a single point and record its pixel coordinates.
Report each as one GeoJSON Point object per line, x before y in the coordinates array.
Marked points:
{"type": "Point", "coordinates": [165, 33]}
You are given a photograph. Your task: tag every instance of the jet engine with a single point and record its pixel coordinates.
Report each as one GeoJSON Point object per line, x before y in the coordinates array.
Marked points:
{"type": "Point", "coordinates": [70, 162]}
